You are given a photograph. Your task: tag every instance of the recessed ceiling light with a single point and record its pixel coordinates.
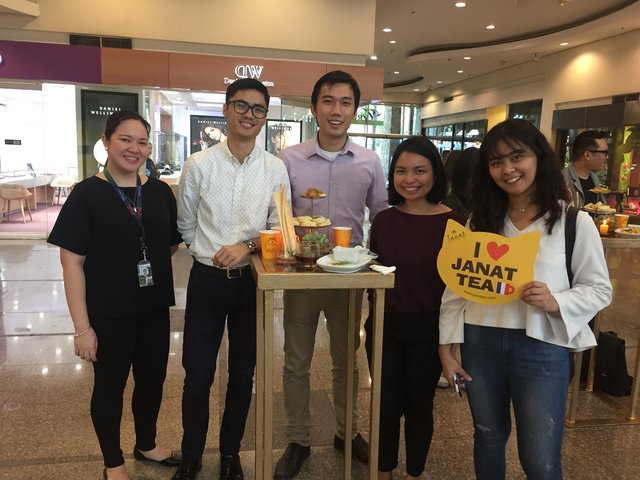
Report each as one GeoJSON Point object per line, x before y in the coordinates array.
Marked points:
{"type": "Point", "coordinates": [392, 41]}
{"type": "Point", "coordinates": [373, 57]}
{"type": "Point", "coordinates": [490, 27]}
{"type": "Point", "coordinates": [467, 58]}
{"type": "Point", "coordinates": [416, 89]}
{"type": "Point", "coordinates": [439, 81]}
{"type": "Point", "coordinates": [396, 73]}
{"type": "Point", "coordinates": [564, 44]}
{"type": "Point", "coordinates": [460, 71]}
{"type": "Point", "coordinates": [386, 30]}
{"type": "Point", "coordinates": [460, 4]}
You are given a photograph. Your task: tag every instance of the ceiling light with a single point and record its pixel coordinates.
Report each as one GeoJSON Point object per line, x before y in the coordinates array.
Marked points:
{"type": "Point", "coordinates": [392, 41]}
{"type": "Point", "coordinates": [460, 71]}
{"type": "Point", "coordinates": [439, 81]}
{"type": "Point", "coordinates": [467, 58]}
{"type": "Point", "coordinates": [490, 27]}
{"type": "Point", "coordinates": [564, 44]}
{"type": "Point", "coordinates": [396, 73]}
{"type": "Point", "coordinates": [386, 30]}
{"type": "Point", "coordinates": [416, 89]}
{"type": "Point", "coordinates": [460, 4]}
{"type": "Point", "coordinates": [373, 57]}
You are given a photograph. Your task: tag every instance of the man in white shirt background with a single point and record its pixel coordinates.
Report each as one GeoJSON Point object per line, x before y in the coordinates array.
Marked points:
{"type": "Point", "coordinates": [225, 198]}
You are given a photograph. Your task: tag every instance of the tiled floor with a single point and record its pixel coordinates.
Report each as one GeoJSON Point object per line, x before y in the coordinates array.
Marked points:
{"type": "Point", "coordinates": [46, 432]}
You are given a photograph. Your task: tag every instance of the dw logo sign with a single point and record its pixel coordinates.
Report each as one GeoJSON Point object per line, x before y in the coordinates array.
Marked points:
{"type": "Point", "coordinates": [249, 71]}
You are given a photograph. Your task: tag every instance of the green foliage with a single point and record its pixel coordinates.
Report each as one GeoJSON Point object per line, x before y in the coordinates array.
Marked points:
{"type": "Point", "coordinates": [316, 238]}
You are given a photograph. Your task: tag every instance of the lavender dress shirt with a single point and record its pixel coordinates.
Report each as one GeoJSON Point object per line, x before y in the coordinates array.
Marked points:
{"type": "Point", "coordinates": [353, 180]}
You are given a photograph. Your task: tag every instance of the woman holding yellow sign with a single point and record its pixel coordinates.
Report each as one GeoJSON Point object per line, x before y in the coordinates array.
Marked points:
{"type": "Point", "coordinates": [409, 236]}
{"type": "Point", "coordinates": [517, 352]}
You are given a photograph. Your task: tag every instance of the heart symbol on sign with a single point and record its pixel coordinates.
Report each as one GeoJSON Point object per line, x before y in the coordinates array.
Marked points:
{"type": "Point", "coordinates": [496, 251]}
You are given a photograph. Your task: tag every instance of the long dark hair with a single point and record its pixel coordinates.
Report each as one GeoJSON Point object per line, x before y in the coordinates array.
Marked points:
{"type": "Point", "coordinates": [461, 174]}
{"type": "Point", "coordinates": [490, 201]}
{"type": "Point", "coordinates": [424, 147]}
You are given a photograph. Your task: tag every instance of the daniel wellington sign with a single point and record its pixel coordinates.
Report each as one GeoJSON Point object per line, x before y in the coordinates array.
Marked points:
{"type": "Point", "coordinates": [249, 71]}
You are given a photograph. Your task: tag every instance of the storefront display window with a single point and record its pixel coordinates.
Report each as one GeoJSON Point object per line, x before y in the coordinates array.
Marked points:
{"type": "Point", "coordinates": [530, 111]}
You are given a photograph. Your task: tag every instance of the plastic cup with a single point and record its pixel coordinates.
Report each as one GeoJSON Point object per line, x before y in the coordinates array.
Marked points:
{"type": "Point", "coordinates": [341, 236]}
{"type": "Point", "coordinates": [622, 220]}
{"type": "Point", "coordinates": [278, 231]}
{"type": "Point", "coordinates": [269, 244]}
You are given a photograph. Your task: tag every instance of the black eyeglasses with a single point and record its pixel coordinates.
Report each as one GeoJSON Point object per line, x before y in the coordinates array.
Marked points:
{"type": "Point", "coordinates": [604, 152]}
{"type": "Point", "coordinates": [240, 106]}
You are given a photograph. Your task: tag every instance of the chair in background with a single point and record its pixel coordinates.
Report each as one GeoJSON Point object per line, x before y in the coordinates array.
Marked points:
{"type": "Point", "coordinates": [61, 182]}
{"type": "Point", "coordinates": [10, 191]}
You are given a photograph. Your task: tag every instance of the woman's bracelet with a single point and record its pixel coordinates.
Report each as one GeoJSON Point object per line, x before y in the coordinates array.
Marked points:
{"type": "Point", "coordinates": [76, 335]}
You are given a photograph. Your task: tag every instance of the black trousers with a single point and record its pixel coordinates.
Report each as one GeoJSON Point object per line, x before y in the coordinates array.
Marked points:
{"type": "Point", "coordinates": [410, 372]}
{"type": "Point", "coordinates": [213, 301]}
{"type": "Point", "coordinates": [142, 342]}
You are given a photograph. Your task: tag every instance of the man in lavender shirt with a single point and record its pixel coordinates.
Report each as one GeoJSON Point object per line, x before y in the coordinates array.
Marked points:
{"type": "Point", "coordinates": [352, 178]}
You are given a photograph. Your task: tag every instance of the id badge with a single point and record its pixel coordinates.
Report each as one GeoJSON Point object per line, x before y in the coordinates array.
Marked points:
{"type": "Point", "coordinates": [145, 277]}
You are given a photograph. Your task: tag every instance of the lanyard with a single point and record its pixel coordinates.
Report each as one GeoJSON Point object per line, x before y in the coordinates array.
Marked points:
{"type": "Point", "coordinates": [134, 208]}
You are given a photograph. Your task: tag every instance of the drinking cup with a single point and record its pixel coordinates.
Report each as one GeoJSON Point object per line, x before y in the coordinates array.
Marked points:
{"type": "Point", "coordinates": [269, 244]}
{"type": "Point", "coordinates": [341, 236]}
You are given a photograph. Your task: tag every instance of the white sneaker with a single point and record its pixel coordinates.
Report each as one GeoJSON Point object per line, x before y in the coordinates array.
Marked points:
{"type": "Point", "coordinates": [443, 382]}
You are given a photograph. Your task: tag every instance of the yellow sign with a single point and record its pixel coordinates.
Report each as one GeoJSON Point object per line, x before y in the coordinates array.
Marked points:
{"type": "Point", "coordinates": [485, 267]}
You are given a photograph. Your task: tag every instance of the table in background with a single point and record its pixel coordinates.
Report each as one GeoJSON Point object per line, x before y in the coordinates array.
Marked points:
{"type": "Point", "coordinates": [271, 277]}
{"type": "Point", "coordinates": [37, 185]}
{"type": "Point", "coordinates": [626, 413]}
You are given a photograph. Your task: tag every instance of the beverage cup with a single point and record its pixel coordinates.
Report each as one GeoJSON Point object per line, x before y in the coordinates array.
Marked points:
{"type": "Point", "coordinates": [622, 220]}
{"type": "Point", "coordinates": [278, 231]}
{"type": "Point", "coordinates": [269, 244]}
{"type": "Point", "coordinates": [341, 236]}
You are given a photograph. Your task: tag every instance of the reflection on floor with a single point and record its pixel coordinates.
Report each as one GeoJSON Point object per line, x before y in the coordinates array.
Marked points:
{"type": "Point", "coordinates": [44, 393]}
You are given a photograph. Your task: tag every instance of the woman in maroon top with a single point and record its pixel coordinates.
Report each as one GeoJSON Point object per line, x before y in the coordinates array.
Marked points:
{"type": "Point", "coordinates": [409, 236]}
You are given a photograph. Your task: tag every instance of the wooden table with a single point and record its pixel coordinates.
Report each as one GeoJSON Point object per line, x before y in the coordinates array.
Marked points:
{"type": "Point", "coordinates": [627, 414]}
{"type": "Point", "coordinates": [38, 185]}
{"type": "Point", "coordinates": [271, 277]}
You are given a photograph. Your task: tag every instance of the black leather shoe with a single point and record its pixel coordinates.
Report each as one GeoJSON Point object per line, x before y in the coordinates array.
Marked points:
{"type": "Point", "coordinates": [289, 464]}
{"type": "Point", "coordinates": [359, 447]}
{"type": "Point", "coordinates": [230, 468]}
{"type": "Point", "coordinates": [188, 470]}
{"type": "Point", "coordinates": [171, 461]}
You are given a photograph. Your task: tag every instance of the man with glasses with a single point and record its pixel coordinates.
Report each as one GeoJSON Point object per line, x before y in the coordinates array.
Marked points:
{"type": "Point", "coordinates": [225, 198]}
{"type": "Point", "coordinates": [352, 178]}
{"type": "Point", "coordinates": [589, 154]}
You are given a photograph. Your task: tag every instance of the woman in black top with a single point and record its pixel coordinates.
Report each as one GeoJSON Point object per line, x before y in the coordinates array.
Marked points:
{"type": "Point", "coordinates": [118, 281]}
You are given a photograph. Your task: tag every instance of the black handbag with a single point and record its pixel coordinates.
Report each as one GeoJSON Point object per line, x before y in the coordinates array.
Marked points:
{"type": "Point", "coordinates": [611, 375]}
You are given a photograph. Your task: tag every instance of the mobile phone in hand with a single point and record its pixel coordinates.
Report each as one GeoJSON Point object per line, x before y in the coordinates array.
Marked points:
{"type": "Point", "coordinates": [457, 383]}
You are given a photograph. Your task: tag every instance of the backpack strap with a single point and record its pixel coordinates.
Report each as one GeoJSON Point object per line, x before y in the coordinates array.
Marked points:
{"type": "Point", "coordinates": [570, 238]}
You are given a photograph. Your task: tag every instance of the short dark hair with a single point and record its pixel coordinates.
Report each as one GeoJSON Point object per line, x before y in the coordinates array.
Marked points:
{"type": "Point", "coordinates": [424, 147]}
{"type": "Point", "coordinates": [332, 78]}
{"type": "Point", "coordinates": [490, 201]}
{"type": "Point", "coordinates": [115, 119]}
{"type": "Point", "coordinates": [248, 84]}
{"type": "Point", "coordinates": [585, 141]}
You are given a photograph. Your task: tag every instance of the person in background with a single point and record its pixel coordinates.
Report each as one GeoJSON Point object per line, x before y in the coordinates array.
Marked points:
{"type": "Point", "coordinates": [409, 236]}
{"type": "Point", "coordinates": [116, 233]}
{"type": "Point", "coordinates": [225, 199]}
{"type": "Point", "coordinates": [460, 182]}
{"type": "Point", "coordinates": [517, 353]}
{"type": "Point", "coordinates": [352, 178]}
{"type": "Point", "coordinates": [151, 170]}
{"type": "Point", "coordinates": [589, 154]}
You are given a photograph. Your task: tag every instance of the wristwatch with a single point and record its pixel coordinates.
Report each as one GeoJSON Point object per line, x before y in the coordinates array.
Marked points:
{"type": "Point", "coordinates": [251, 244]}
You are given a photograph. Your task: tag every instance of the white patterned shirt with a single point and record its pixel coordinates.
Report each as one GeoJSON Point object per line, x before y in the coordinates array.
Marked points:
{"type": "Point", "coordinates": [223, 202]}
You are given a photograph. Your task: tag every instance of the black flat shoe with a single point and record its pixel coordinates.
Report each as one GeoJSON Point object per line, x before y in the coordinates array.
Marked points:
{"type": "Point", "coordinates": [359, 447]}
{"type": "Point", "coordinates": [171, 461]}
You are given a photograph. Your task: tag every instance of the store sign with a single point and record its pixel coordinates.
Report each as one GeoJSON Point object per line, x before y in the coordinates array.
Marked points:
{"type": "Point", "coordinates": [249, 71]}
{"type": "Point", "coordinates": [12, 142]}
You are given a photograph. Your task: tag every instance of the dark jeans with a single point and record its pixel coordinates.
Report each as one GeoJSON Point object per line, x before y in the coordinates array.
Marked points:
{"type": "Point", "coordinates": [141, 341]}
{"type": "Point", "coordinates": [410, 372]}
{"type": "Point", "coordinates": [214, 300]}
{"type": "Point", "coordinates": [508, 367]}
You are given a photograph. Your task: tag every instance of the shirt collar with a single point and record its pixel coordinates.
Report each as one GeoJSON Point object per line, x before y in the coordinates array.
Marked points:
{"type": "Point", "coordinates": [314, 148]}
{"type": "Point", "coordinates": [247, 160]}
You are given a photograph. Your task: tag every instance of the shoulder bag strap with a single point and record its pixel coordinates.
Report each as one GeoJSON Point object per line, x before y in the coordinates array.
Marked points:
{"type": "Point", "coordinates": [570, 238]}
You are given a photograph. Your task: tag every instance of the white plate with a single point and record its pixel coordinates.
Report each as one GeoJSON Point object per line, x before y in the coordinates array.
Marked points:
{"type": "Point", "coordinates": [620, 232]}
{"type": "Point", "coordinates": [325, 264]}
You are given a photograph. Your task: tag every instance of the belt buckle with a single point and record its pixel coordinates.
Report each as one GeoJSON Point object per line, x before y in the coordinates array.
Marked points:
{"type": "Point", "coordinates": [234, 272]}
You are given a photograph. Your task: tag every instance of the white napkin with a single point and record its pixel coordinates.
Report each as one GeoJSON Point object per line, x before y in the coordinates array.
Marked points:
{"type": "Point", "coordinates": [382, 270]}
